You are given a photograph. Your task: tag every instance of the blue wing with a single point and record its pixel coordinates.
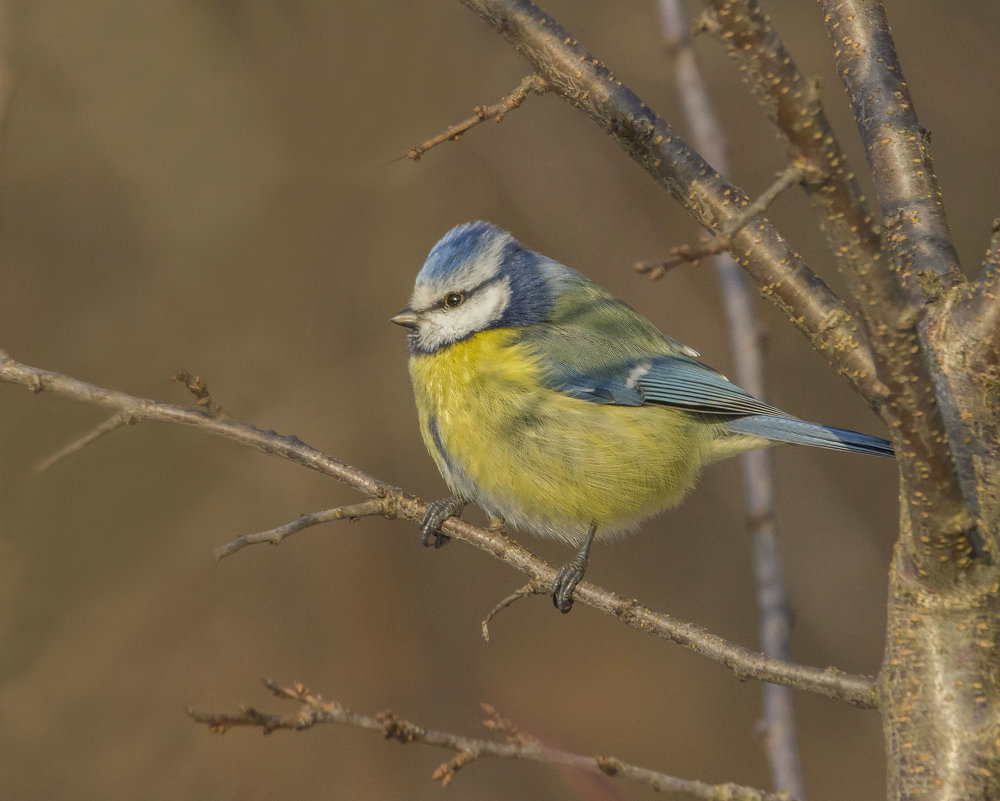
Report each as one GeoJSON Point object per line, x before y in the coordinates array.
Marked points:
{"type": "Point", "coordinates": [668, 380]}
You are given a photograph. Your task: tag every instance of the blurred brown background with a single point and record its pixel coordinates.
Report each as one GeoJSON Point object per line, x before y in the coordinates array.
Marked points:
{"type": "Point", "coordinates": [193, 184]}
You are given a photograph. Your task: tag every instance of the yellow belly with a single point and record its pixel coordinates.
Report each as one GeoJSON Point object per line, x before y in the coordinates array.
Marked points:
{"type": "Point", "coordinates": [541, 460]}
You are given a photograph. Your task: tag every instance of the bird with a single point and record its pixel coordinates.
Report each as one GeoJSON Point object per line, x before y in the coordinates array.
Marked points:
{"type": "Point", "coordinates": [560, 410]}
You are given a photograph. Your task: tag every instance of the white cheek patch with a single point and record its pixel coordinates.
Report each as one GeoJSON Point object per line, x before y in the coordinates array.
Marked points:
{"type": "Point", "coordinates": [444, 326]}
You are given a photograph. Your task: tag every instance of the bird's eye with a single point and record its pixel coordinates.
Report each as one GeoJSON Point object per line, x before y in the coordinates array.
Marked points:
{"type": "Point", "coordinates": [453, 300]}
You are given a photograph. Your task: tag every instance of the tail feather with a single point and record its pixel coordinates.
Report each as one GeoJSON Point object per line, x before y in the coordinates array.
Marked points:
{"type": "Point", "coordinates": [799, 432]}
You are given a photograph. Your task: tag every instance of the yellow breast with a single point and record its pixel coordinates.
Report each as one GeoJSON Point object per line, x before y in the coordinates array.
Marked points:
{"type": "Point", "coordinates": [542, 460]}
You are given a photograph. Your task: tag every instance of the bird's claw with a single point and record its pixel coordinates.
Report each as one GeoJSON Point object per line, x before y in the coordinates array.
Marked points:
{"type": "Point", "coordinates": [571, 574]}
{"type": "Point", "coordinates": [437, 512]}
{"type": "Point", "coordinates": [567, 578]}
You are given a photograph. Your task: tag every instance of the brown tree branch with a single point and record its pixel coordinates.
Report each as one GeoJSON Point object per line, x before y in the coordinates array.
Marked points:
{"type": "Point", "coordinates": [496, 112]}
{"type": "Point", "coordinates": [315, 710]}
{"type": "Point", "coordinates": [772, 601]}
{"type": "Point", "coordinates": [856, 690]}
{"type": "Point", "coordinates": [582, 80]}
{"type": "Point", "coordinates": [926, 266]}
{"type": "Point", "coordinates": [897, 146]}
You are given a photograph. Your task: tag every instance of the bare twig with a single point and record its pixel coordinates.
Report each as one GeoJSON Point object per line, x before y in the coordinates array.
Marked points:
{"type": "Point", "coordinates": [532, 588]}
{"type": "Point", "coordinates": [276, 536]}
{"type": "Point", "coordinates": [496, 112]}
{"type": "Point", "coordinates": [314, 710]}
{"type": "Point", "coordinates": [111, 424]}
{"type": "Point", "coordinates": [681, 254]}
{"type": "Point", "coordinates": [775, 618]}
{"type": "Point", "coordinates": [582, 80]}
{"type": "Point", "coordinates": [856, 690]}
{"type": "Point", "coordinates": [788, 177]}
{"type": "Point", "coordinates": [199, 388]}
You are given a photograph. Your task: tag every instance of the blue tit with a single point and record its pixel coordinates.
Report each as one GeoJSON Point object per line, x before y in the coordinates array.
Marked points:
{"type": "Point", "coordinates": [559, 409]}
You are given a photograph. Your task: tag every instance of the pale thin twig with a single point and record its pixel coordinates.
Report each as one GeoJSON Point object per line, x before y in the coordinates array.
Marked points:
{"type": "Point", "coordinates": [509, 102]}
{"type": "Point", "coordinates": [772, 605]}
{"type": "Point", "coordinates": [860, 691]}
{"type": "Point", "coordinates": [275, 536]}
{"type": "Point", "coordinates": [532, 588]}
{"type": "Point", "coordinates": [111, 424]}
{"type": "Point", "coordinates": [315, 710]}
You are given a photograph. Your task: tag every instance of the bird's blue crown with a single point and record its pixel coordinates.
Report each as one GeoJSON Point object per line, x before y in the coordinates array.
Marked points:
{"type": "Point", "coordinates": [474, 255]}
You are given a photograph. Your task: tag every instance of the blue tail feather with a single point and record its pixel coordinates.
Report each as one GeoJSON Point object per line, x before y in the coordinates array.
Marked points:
{"type": "Point", "coordinates": [799, 432]}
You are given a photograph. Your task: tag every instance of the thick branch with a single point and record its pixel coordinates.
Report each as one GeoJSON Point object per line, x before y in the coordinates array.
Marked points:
{"type": "Point", "coordinates": [772, 603]}
{"type": "Point", "coordinates": [897, 146]}
{"type": "Point", "coordinates": [582, 80]}
{"type": "Point", "coordinates": [926, 266]}
{"type": "Point", "coordinates": [315, 710]}
{"type": "Point", "coordinates": [856, 690]}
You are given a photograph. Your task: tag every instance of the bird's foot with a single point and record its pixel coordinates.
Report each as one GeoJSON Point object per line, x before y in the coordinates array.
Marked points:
{"type": "Point", "coordinates": [437, 512]}
{"type": "Point", "coordinates": [571, 574]}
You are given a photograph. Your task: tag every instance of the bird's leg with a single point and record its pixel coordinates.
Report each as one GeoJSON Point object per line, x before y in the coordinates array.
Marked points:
{"type": "Point", "coordinates": [437, 512]}
{"type": "Point", "coordinates": [571, 574]}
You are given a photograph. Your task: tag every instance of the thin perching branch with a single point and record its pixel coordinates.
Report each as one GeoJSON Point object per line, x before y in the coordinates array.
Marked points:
{"type": "Point", "coordinates": [856, 690]}
{"type": "Point", "coordinates": [772, 601]}
{"type": "Point", "coordinates": [315, 710]}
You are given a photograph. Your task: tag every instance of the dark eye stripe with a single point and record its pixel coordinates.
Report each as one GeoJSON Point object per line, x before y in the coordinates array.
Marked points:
{"type": "Point", "coordinates": [466, 294]}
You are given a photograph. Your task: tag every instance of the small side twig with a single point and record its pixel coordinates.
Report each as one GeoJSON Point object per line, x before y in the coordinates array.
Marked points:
{"type": "Point", "coordinates": [692, 254]}
{"type": "Point", "coordinates": [978, 312]}
{"type": "Point", "coordinates": [313, 710]}
{"type": "Point", "coordinates": [532, 588]}
{"type": "Point", "coordinates": [111, 424]}
{"type": "Point", "coordinates": [275, 536]}
{"type": "Point", "coordinates": [499, 110]}
{"type": "Point", "coordinates": [196, 386]}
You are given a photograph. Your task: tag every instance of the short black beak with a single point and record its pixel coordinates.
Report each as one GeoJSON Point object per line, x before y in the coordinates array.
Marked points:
{"type": "Point", "coordinates": [406, 318]}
